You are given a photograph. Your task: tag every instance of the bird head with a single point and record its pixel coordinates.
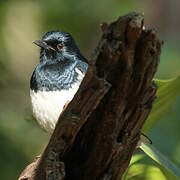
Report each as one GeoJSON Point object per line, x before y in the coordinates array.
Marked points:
{"type": "Point", "coordinates": [57, 46]}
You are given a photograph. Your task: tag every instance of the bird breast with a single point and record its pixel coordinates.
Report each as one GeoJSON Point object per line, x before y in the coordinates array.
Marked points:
{"type": "Point", "coordinates": [48, 105]}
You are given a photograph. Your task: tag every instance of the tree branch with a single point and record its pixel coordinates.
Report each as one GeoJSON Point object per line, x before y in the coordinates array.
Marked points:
{"type": "Point", "coordinates": [97, 133]}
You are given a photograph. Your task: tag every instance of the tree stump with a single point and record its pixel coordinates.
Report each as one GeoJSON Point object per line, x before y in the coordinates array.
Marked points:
{"type": "Point", "coordinates": [97, 133]}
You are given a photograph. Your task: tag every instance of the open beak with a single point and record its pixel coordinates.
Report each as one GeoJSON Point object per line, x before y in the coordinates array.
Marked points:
{"type": "Point", "coordinates": [43, 45]}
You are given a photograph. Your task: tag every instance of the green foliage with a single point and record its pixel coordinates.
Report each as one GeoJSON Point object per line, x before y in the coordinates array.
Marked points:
{"type": "Point", "coordinates": [162, 160]}
{"type": "Point", "coordinates": [11, 156]}
{"type": "Point", "coordinates": [168, 90]}
{"type": "Point", "coordinates": [143, 168]}
{"type": "Point", "coordinates": [21, 141]}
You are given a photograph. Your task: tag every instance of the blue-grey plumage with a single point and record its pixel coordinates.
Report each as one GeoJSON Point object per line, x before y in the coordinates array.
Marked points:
{"type": "Point", "coordinates": [56, 78]}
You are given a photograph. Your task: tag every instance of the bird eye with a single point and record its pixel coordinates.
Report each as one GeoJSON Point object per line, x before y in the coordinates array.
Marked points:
{"type": "Point", "coordinates": [60, 46]}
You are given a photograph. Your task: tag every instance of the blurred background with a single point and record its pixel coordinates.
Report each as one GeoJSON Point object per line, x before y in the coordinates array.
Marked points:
{"type": "Point", "coordinates": [23, 21]}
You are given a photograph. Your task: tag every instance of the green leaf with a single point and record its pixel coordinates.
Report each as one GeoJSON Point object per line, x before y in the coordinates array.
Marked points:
{"type": "Point", "coordinates": [158, 157]}
{"type": "Point", "coordinates": [162, 168]}
{"type": "Point", "coordinates": [142, 168]}
{"type": "Point", "coordinates": [167, 92]}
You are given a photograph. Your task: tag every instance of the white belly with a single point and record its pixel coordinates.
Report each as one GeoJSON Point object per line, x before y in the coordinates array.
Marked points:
{"type": "Point", "coordinates": [48, 105]}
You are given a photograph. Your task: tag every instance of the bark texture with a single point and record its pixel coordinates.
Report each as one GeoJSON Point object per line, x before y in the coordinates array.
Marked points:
{"type": "Point", "coordinates": [97, 133]}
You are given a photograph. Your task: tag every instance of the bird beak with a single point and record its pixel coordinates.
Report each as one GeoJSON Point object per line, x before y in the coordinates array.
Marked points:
{"type": "Point", "coordinates": [40, 43]}
{"type": "Point", "coordinates": [43, 45]}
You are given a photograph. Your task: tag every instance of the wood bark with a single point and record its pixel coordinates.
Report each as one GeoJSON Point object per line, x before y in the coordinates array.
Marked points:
{"type": "Point", "coordinates": [97, 133]}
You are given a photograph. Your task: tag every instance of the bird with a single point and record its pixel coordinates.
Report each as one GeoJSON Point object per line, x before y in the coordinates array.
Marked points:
{"type": "Point", "coordinates": [56, 78]}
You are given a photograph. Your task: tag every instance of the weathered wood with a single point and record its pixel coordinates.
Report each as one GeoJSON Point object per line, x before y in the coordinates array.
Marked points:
{"type": "Point", "coordinates": [97, 134]}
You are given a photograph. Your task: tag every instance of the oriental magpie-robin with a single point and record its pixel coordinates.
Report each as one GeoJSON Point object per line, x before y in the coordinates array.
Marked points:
{"type": "Point", "coordinates": [56, 78]}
